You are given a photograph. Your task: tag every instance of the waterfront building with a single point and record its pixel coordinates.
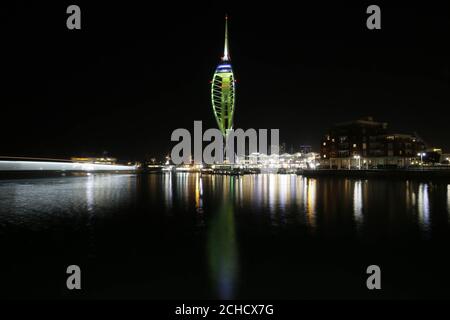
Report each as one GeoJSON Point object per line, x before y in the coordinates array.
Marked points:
{"type": "Point", "coordinates": [433, 155]}
{"type": "Point", "coordinates": [305, 149]}
{"type": "Point", "coordinates": [366, 143]}
{"type": "Point", "coordinates": [445, 158]}
{"type": "Point", "coordinates": [102, 160]}
{"type": "Point", "coordinates": [274, 161]}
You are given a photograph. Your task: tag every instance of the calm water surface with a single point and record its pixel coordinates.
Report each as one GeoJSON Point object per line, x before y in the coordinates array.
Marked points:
{"type": "Point", "coordinates": [208, 236]}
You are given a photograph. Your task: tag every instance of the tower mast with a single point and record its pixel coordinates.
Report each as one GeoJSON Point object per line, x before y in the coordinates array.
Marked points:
{"type": "Point", "coordinates": [226, 55]}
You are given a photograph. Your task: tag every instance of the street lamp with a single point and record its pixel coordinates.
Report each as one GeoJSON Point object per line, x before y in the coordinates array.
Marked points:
{"type": "Point", "coordinates": [359, 161]}
{"type": "Point", "coordinates": [421, 154]}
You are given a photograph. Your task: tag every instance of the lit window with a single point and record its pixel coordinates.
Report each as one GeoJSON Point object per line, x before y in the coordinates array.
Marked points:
{"type": "Point", "coordinates": [354, 145]}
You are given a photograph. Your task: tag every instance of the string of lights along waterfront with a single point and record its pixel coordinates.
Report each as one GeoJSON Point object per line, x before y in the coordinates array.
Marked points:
{"type": "Point", "coordinates": [223, 89]}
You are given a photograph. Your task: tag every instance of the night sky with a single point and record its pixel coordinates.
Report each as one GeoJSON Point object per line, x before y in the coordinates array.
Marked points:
{"type": "Point", "coordinates": [133, 74]}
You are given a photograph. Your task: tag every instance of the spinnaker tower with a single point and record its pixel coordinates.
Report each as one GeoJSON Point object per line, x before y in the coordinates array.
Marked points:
{"type": "Point", "coordinates": [223, 90]}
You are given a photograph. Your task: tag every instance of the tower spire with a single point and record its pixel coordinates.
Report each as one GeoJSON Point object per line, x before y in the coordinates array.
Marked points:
{"type": "Point", "coordinates": [226, 55]}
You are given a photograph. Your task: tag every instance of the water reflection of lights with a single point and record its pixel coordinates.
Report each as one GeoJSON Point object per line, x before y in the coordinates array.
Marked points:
{"type": "Point", "coordinates": [241, 191]}
{"type": "Point", "coordinates": [293, 184]}
{"type": "Point", "coordinates": [199, 193]}
{"type": "Point", "coordinates": [309, 198]}
{"type": "Point", "coordinates": [408, 194]}
{"type": "Point", "coordinates": [90, 193]}
{"type": "Point", "coordinates": [264, 189]}
{"type": "Point", "coordinates": [448, 200]}
{"type": "Point", "coordinates": [272, 189]}
{"type": "Point", "coordinates": [298, 191]}
{"type": "Point", "coordinates": [90, 198]}
{"type": "Point", "coordinates": [358, 204]}
{"type": "Point", "coordinates": [36, 200]}
{"type": "Point", "coordinates": [282, 185]}
{"type": "Point", "coordinates": [182, 187]}
{"type": "Point", "coordinates": [167, 189]}
{"type": "Point", "coordinates": [423, 206]}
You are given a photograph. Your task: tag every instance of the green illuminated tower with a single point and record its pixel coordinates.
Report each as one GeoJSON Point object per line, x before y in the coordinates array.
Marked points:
{"type": "Point", "coordinates": [223, 90]}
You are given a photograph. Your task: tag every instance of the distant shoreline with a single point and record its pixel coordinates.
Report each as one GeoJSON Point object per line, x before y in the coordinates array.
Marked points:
{"type": "Point", "coordinates": [403, 174]}
{"type": "Point", "coordinates": [419, 174]}
{"type": "Point", "coordinates": [12, 175]}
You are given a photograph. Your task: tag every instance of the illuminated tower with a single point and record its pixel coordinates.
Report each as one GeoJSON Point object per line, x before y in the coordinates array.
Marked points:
{"type": "Point", "coordinates": [223, 90]}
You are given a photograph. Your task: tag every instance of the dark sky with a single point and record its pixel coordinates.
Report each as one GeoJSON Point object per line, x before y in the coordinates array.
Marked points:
{"type": "Point", "coordinates": [133, 74]}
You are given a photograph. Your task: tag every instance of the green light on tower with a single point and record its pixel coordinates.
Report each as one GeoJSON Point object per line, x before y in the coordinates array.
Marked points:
{"type": "Point", "coordinates": [223, 90]}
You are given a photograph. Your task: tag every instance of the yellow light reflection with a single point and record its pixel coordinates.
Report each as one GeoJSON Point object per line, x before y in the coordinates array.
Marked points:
{"type": "Point", "coordinates": [310, 199]}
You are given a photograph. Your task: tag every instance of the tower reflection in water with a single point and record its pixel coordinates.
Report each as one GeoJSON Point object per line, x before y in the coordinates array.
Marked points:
{"type": "Point", "coordinates": [277, 193]}
{"type": "Point", "coordinates": [102, 216]}
{"type": "Point", "coordinates": [221, 244]}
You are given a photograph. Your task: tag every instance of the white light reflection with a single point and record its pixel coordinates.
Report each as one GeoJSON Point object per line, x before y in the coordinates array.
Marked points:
{"type": "Point", "coordinates": [272, 186]}
{"type": "Point", "coordinates": [424, 206]}
{"type": "Point", "coordinates": [90, 203]}
{"type": "Point", "coordinates": [448, 200]}
{"type": "Point", "coordinates": [283, 191]}
{"type": "Point", "coordinates": [358, 204]}
{"type": "Point", "coordinates": [90, 194]}
{"type": "Point", "coordinates": [168, 191]}
{"type": "Point", "coordinates": [199, 194]}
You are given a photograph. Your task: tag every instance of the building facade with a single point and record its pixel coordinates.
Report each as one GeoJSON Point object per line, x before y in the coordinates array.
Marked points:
{"type": "Point", "coordinates": [366, 143]}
